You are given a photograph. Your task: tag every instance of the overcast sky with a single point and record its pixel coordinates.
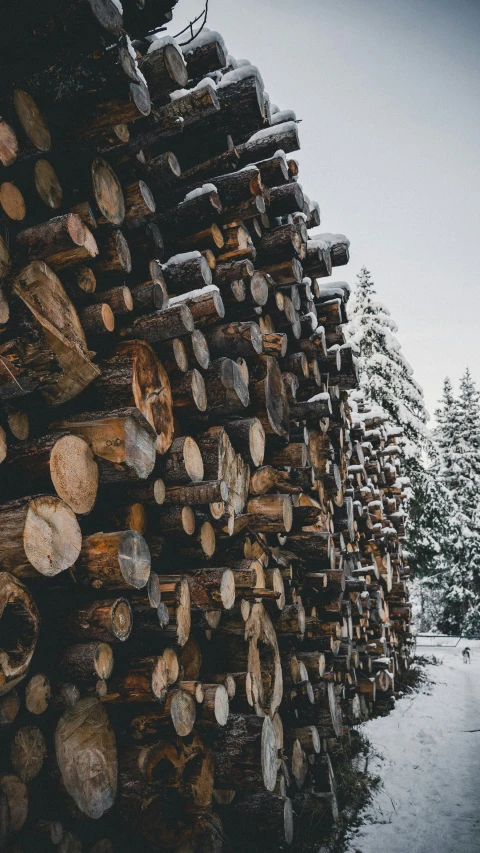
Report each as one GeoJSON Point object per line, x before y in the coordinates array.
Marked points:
{"type": "Point", "coordinates": [388, 93]}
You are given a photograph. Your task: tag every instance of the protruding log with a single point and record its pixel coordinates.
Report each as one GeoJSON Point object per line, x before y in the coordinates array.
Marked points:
{"type": "Point", "coordinates": [271, 513]}
{"type": "Point", "coordinates": [212, 589]}
{"type": "Point", "coordinates": [239, 340]}
{"type": "Point", "coordinates": [202, 57]}
{"type": "Point", "coordinates": [61, 242]}
{"type": "Point", "coordinates": [60, 463]}
{"type": "Point", "coordinates": [114, 259]}
{"type": "Point", "coordinates": [246, 754]}
{"type": "Point", "coordinates": [269, 396]}
{"type": "Point", "coordinates": [114, 561]}
{"type": "Point", "coordinates": [186, 272]}
{"type": "Point", "coordinates": [227, 389]}
{"type": "Point", "coordinates": [122, 440]}
{"type": "Point", "coordinates": [215, 705]}
{"type": "Point", "coordinates": [208, 492]}
{"type": "Point", "coordinates": [174, 520]}
{"type": "Point", "coordinates": [189, 393]}
{"type": "Point", "coordinates": [183, 463]}
{"type": "Point", "coordinates": [41, 534]}
{"type": "Point", "coordinates": [164, 69]}
{"type": "Point", "coordinates": [133, 376]}
{"type": "Point", "coordinates": [106, 621]}
{"type": "Point", "coordinates": [174, 321]}
{"type": "Point", "coordinates": [87, 661]}
{"type": "Point", "coordinates": [79, 282]}
{"type": "Point", "coordinates": [248, 438]}
{"type": "Point", "coordinates": [266, 816]}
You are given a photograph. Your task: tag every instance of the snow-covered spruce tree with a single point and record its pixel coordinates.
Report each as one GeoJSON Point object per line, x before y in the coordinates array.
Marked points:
{"type": "Point", "coordinates": [385, 373]}
{"type": "Point", "coordinates": [387, 379]}
{"type": "Point", "coordinates": [458, 438]}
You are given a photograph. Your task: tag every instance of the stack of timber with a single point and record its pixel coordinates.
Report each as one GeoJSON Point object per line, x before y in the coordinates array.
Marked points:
{"type": "Point", "coordinates": [201, 574]}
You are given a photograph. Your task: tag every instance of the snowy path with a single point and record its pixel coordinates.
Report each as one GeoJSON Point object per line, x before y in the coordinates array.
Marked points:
{"type": "Point", "coordinates": [430, 799]}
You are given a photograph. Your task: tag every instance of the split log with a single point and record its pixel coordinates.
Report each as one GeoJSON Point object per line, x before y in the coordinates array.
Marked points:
{"type": "Point", "coordinates": [57, 324]}
{"type": "Point", "coordinates": [20, 624]}
{"type": "Point", "coordinates": [133, 376]}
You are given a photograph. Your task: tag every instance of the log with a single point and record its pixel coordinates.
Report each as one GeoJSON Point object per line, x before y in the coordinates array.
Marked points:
{"type": "Point", "coordinates": [20, 625]}
{"type": "Point", "coordinates": [267, 816]}
{"type": "Point", "coordinates": [248, 438]}
{"type": "Point", "coordinates": [27, 752]}
{"type": "Point", "coordinates": [189, 393]}
{"type": "Point", "coordinates": [245, 753]}
{"type": "Point", "coordinates": [57, 325]}
{"type": "Point", "coordinates": [133, 376]}
{"type": "Point", "coordinates": [39, 535]}
{"type": "Point", "coordinates": [92, 783]}
{"type": "Point", "coordinates": [269, 397]}
{"type": "Point", "coordinates": [113, 561]}
{"type": "Point", "coordinates": [15, 805]}
{"type": "Point", "coordinates": [183, 463]}
{"type": "Point", "coordinates": [87, 662]}
{"type": "Point", "coordinates": [104, 621]}
{"type": "Point", "coordinates": [61, 242]}
{"type": "Point", "coordinates": [164, 325]}
{"type": "Point", "coordinates": [60, 463]}
{"type": "Point", "coordinates": [164, 70]}
{"type": "Point", "coordinates": [122, 440]}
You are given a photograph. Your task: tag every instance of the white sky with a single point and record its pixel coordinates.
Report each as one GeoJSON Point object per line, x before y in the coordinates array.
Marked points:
{"type": "Point", "coordinates": [388, 93]}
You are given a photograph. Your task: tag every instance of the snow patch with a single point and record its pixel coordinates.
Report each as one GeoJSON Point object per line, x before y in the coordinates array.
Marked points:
{"type": "Point", "coordinates": [265, 132]}
{"type": "Point", "coordinates": [182, 258]}
{"type": "Point", "coordinates": [192, 294]}
{"type": "Point", "coordinates": [204, 37]}
{"type": "Point", "coordinates": [203, 190]}
{"type": "Point", "coordinates": [282, 116]}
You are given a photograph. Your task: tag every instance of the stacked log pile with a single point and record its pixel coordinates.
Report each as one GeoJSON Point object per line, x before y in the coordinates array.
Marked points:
{"type": "Point", "coordinates": [201, 572]}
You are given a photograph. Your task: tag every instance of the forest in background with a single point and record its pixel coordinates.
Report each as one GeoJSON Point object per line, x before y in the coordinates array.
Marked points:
{"type": "Point", "coordinates": [442, 462]}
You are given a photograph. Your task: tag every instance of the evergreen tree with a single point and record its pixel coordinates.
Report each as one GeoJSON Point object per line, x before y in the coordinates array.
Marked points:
{"type": "Point", "coordinates": [387, 379]}
{"type": "Point", "coordinates": [458, 437]}
{"type": "Point", "coordinates": [385, 373]}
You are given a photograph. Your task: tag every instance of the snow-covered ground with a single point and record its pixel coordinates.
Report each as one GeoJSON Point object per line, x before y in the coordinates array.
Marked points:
{"type": "Point", "coordinates": [430, 798]}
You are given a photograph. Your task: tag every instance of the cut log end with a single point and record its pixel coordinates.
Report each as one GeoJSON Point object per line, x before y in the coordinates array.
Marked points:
{"type": "Point", "coordinates": [74, 473]}
{"type": "Point", "coordinates": [269, 754]}
{"type": "Point", "coordinates": [32, 120]}
{"type": "Point", "coordinates": [121, 619]}
{"type": "Point", "coordinates": [182, 712]}
{"type": "Point", "coordinates": [52, 537]}
{"type": "Point", "coordinates": [108, 192]}
{"type": "Point", "coordinates": [227, 589]}
{"type": "Point", "coordinates": [134, 559]}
